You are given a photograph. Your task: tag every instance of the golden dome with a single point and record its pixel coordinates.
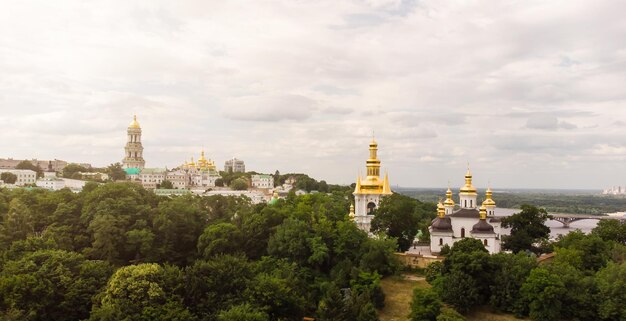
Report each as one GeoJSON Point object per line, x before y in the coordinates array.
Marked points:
{"type": "Point", "coordinates": [483, 212]}
{"type": "Point", "coordinates": [134, 123]}
{"type": "Point", "coordinates": [468, 188]}
{"type": "Point", "coordinates": [351, 214]}
{"type": "Point", "coordinates": [449, 201]}
{"type": "Point", "coordinates": [488, 200]}
{"type": "Point", "coordinates": [441, 210]}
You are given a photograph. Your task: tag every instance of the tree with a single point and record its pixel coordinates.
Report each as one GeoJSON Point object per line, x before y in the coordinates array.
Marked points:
{"type": "Point", "coordinates": [165, 184]}
{"type": "Point", "coordinates": [239, 184]}
{"type": "Point", "coordinates": [611, 230]}
{"type": "Point", "coordinates": [243, 312]}
{"type": "Point", "coordinates": [449, 314]}
{"type": "Point", "coordinates": [220, 238]}
{"type": "Point", "coordinates": [142, 292]}
{"type": "Point", "coordinates": [510, 272]}
{"type": "Point", "coordinates": [219, 182]}
{"type": "Point", "coordinates": [17, 223]}
{"type": "Point", "coordinates": [72, 170]}
{"type": "Point", "coordinates": [52, 284]}
{"type": "Point", "coordinates": [542, 293]}
{"type": "Point", "coordinates": [425, 305]}
{"type": "Point", "coordinates": [8, 178]}
{"type": "Point", "coordinates": [397, 217]}
{"type": "Point", "coordinates": [115, 171]}
{"type": "Point", "coordinates": [28, 165]}
{"type": "Point", "coordinates": [527, 228]}
{"type": "Point", "coordinates": [433, 271]}
{"type": "Point", "coordinates": [611, 282]}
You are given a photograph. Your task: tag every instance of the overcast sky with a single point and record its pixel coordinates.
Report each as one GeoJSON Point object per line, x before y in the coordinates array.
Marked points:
{"type": "Point", "coordinates": [531, 93]}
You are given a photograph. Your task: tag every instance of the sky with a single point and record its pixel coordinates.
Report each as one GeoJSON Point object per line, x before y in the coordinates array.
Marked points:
{"type": "Point", "coordinates": [531, 93]}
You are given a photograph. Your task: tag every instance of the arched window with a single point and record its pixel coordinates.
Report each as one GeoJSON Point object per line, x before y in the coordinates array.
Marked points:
{"type": "Point", "coordinates": [471, 203]}
{"type": "Point", "coordinates": [465, 203]}
{"type": "Point", "coordinates": [370, 208]}
{"type": "Point", "coordinates": [463, 232]}
{"type": "Point", "coordinates": [485, 243]}
{"type": "Point", "coordinates": [440, 241]}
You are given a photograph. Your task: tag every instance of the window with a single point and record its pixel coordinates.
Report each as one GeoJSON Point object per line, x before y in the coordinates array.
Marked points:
{"type": "Point", "coordinates": [465, 203]}
{"type": "Point", "coordinates": [485, 243]}
{"type": "Point", "coordinates": [370, 208]}
{"type": "Point", "coordinates": [463, 232]}
{"type": "Point", "coordinates": [440, 241]}
{"type": "Point", "coordinates": [471, 203]}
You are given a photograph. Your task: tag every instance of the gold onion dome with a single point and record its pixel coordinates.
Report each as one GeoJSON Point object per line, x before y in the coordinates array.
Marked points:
{"type": "Point", "coordinates": [449, 201]}
{"type": "Point", "coordinates": [468, 188]}
{"type": "Point", "coordinates": [441, 211]}
{"type": "Point", "coordinates": [351, 214]}
{"type": "Point", "coordinates": [488, 200]}
{"type": "Point", "coordinates": [134, 123]}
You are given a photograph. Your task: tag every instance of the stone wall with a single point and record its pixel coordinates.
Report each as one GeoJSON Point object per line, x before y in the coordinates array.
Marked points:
{"type": "Point", "coordinates": [417, 260]}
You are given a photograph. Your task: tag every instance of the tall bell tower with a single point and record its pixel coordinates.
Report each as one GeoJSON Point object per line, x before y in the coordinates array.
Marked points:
{"type": "Point", "coordinates": [133, 157]}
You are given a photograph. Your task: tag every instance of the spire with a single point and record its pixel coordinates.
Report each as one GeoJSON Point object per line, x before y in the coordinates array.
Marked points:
{"type": "Point", "coordinates": [134, 123]}
{"type": "Point", "coordinates": [468, 188]}
{"type": "Point", "coordinates": [357, 188]}
{"type": "Point", "coordinates": [449, 201]}
{"type": "Point", "coordinates": [351, 214]}
{"type": "Point", "coordinates": [386, 187]}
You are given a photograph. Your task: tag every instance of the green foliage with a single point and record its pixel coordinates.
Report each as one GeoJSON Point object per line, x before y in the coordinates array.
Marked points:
{"type": "Point", "coordinates": [220, 238]}
{"type": "Point", "coordinates": [8, 178]}
{"type": "Point", "coordinates": [399, 216]}
{"type": "Point", "coordinates": [449, 314]}
{"type": "Point", "coordinates": [71, 170]}
{"type": "Point", "coordinates": [433, 271]}
{"type": "Point", "coordinates": [611, 283]}
{"type": "Point", "coordinates": [52, 284]}
{"type": "Point", "coordinates": [585, 252]}
{"type": "Point", "coordinates": [239, 184]}
{"type": "Point", "coordinates": [510, 272]}
{"type": "Point", "coordinates": [165, 184]}
{"type": "Point", "coordinates": [115, 172]}
{"type": "Point", "coordinates": [243, 312]}
{"type": "Point", "coordinates": [425, 305]}
{"type": "Point", "coordinates": [527, 228]}
{"type": "Point", "coordinates": [611, 230]}
{"type": "Point", "coordinates": [542, 293]}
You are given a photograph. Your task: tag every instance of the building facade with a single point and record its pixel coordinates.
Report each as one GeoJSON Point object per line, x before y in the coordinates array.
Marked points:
{"type": "Point", "coordinates": [469, 220]}
{"type": "Point", "coordinates": [234, 166]}
{"type": "Point", "coordinates": [151, 178]}
{"type": "Point", "coordinates": [24, 176]}
{"type": "Point", "coordinates": [133, 151]}
{"type": "Point", "coordinates": [51, 183]}
{"type": "Point", "coordinates": [369, 190]}
{"type": "Point", "coordinates": [262, 181]}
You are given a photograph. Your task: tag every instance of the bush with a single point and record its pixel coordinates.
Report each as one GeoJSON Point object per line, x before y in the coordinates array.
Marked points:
{"type": "Point", "coordinates": [425, 305]}
{"type": "Point", "coordinates": [449, 314]}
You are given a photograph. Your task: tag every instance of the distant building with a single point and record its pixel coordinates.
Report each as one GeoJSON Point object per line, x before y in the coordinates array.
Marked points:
{"type": "Point", "coordinates": [133, 151]}
{"type": "Point", "coordinates": [152, 177]}
{"type": "Point", "coordinates": [262, 181]}
{"type": "Point", "coordinates": [234, 166]}
{"type": "Point", "coordinates": [51, 183]}
{"type": "Point", "coordinates": [24, 176]}
{"type": "Point", "coordinates": [615, 190]}
{"type": "Point", "coordinates": [56, 165]}
{"type": "Point", "coordinates": [469, 221]}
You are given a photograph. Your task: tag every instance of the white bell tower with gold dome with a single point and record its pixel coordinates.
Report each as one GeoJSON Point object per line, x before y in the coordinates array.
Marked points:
{"type": "Point", "coordinates": [369, 190]}
{"type": "Point", "coordinates": [467, 193]}
{"type": "Point", "coordinates": [133, 157]}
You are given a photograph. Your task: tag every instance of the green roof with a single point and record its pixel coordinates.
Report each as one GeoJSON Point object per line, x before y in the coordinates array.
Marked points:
{"type": "Point", "coordinates": [132, 171]}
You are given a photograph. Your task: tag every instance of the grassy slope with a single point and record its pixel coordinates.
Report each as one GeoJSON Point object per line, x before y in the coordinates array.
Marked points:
{"type": "Point", "coordinates": [398, 291]}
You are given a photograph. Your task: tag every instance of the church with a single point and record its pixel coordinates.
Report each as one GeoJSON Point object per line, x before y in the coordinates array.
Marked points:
{"type": "Point", "coordinates": [469, 220]}
{"type": "Point", "coordinates": [369, 191]}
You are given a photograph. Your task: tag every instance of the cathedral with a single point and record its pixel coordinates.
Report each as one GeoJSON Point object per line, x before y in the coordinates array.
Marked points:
{"type": "Point", "coordinates": [133, 150]}
{"type": "Point", "coordinates": [369, 191]}
{"type": "Point", "coordinates": [470, 220]}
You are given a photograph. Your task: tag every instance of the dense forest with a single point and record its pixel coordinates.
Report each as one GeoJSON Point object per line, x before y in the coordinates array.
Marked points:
{"type": "Point", "coordinates": [118, 252]}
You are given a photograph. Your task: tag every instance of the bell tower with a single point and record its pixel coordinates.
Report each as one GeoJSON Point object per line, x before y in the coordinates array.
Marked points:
{"type": "Point", "coordinates": [133, 157]}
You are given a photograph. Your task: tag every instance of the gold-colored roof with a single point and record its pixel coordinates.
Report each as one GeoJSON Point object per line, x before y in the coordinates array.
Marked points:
{"type": "Point", "coordinates": [449, 201]}
{"type": "Point", "coordinates": [468, 188]}
{"type": "Point", "coordinates": [441, 210]}
{"type": "Point", "coordinates": [488, 200]}
{"type": "Point", "coordinates": [483, 212]}
{"type": "Point", "coordinates": [351, 214]}
{"type": "Point", "coordinates": [134, 123]}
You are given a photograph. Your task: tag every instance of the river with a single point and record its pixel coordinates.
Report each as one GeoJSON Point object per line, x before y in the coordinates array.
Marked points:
{"type": "Point", "coordinates": [556, 228]}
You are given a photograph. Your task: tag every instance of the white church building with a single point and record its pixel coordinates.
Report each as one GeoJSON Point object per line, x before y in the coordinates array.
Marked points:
{"type": "Point", "coordinates": [469, 220]}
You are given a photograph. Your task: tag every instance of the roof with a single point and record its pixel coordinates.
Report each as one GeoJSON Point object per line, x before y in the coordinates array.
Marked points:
{"type": "Point", "coordinates": [482, 227]}
{"type": "Point", "coordinates": [132, 171]}
{"type": "Point", "coordinates": [441, 224]}
{"type": "Point", "coordinates": [495, 219]}
{"type": "Point", "coordinates": [153, 171]}
{"type": "Point", "coordinates": [466, 212]}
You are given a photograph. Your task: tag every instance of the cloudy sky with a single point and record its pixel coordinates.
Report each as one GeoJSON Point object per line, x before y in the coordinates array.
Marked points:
{"type": "Point", "coordinates": [531, 93]}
